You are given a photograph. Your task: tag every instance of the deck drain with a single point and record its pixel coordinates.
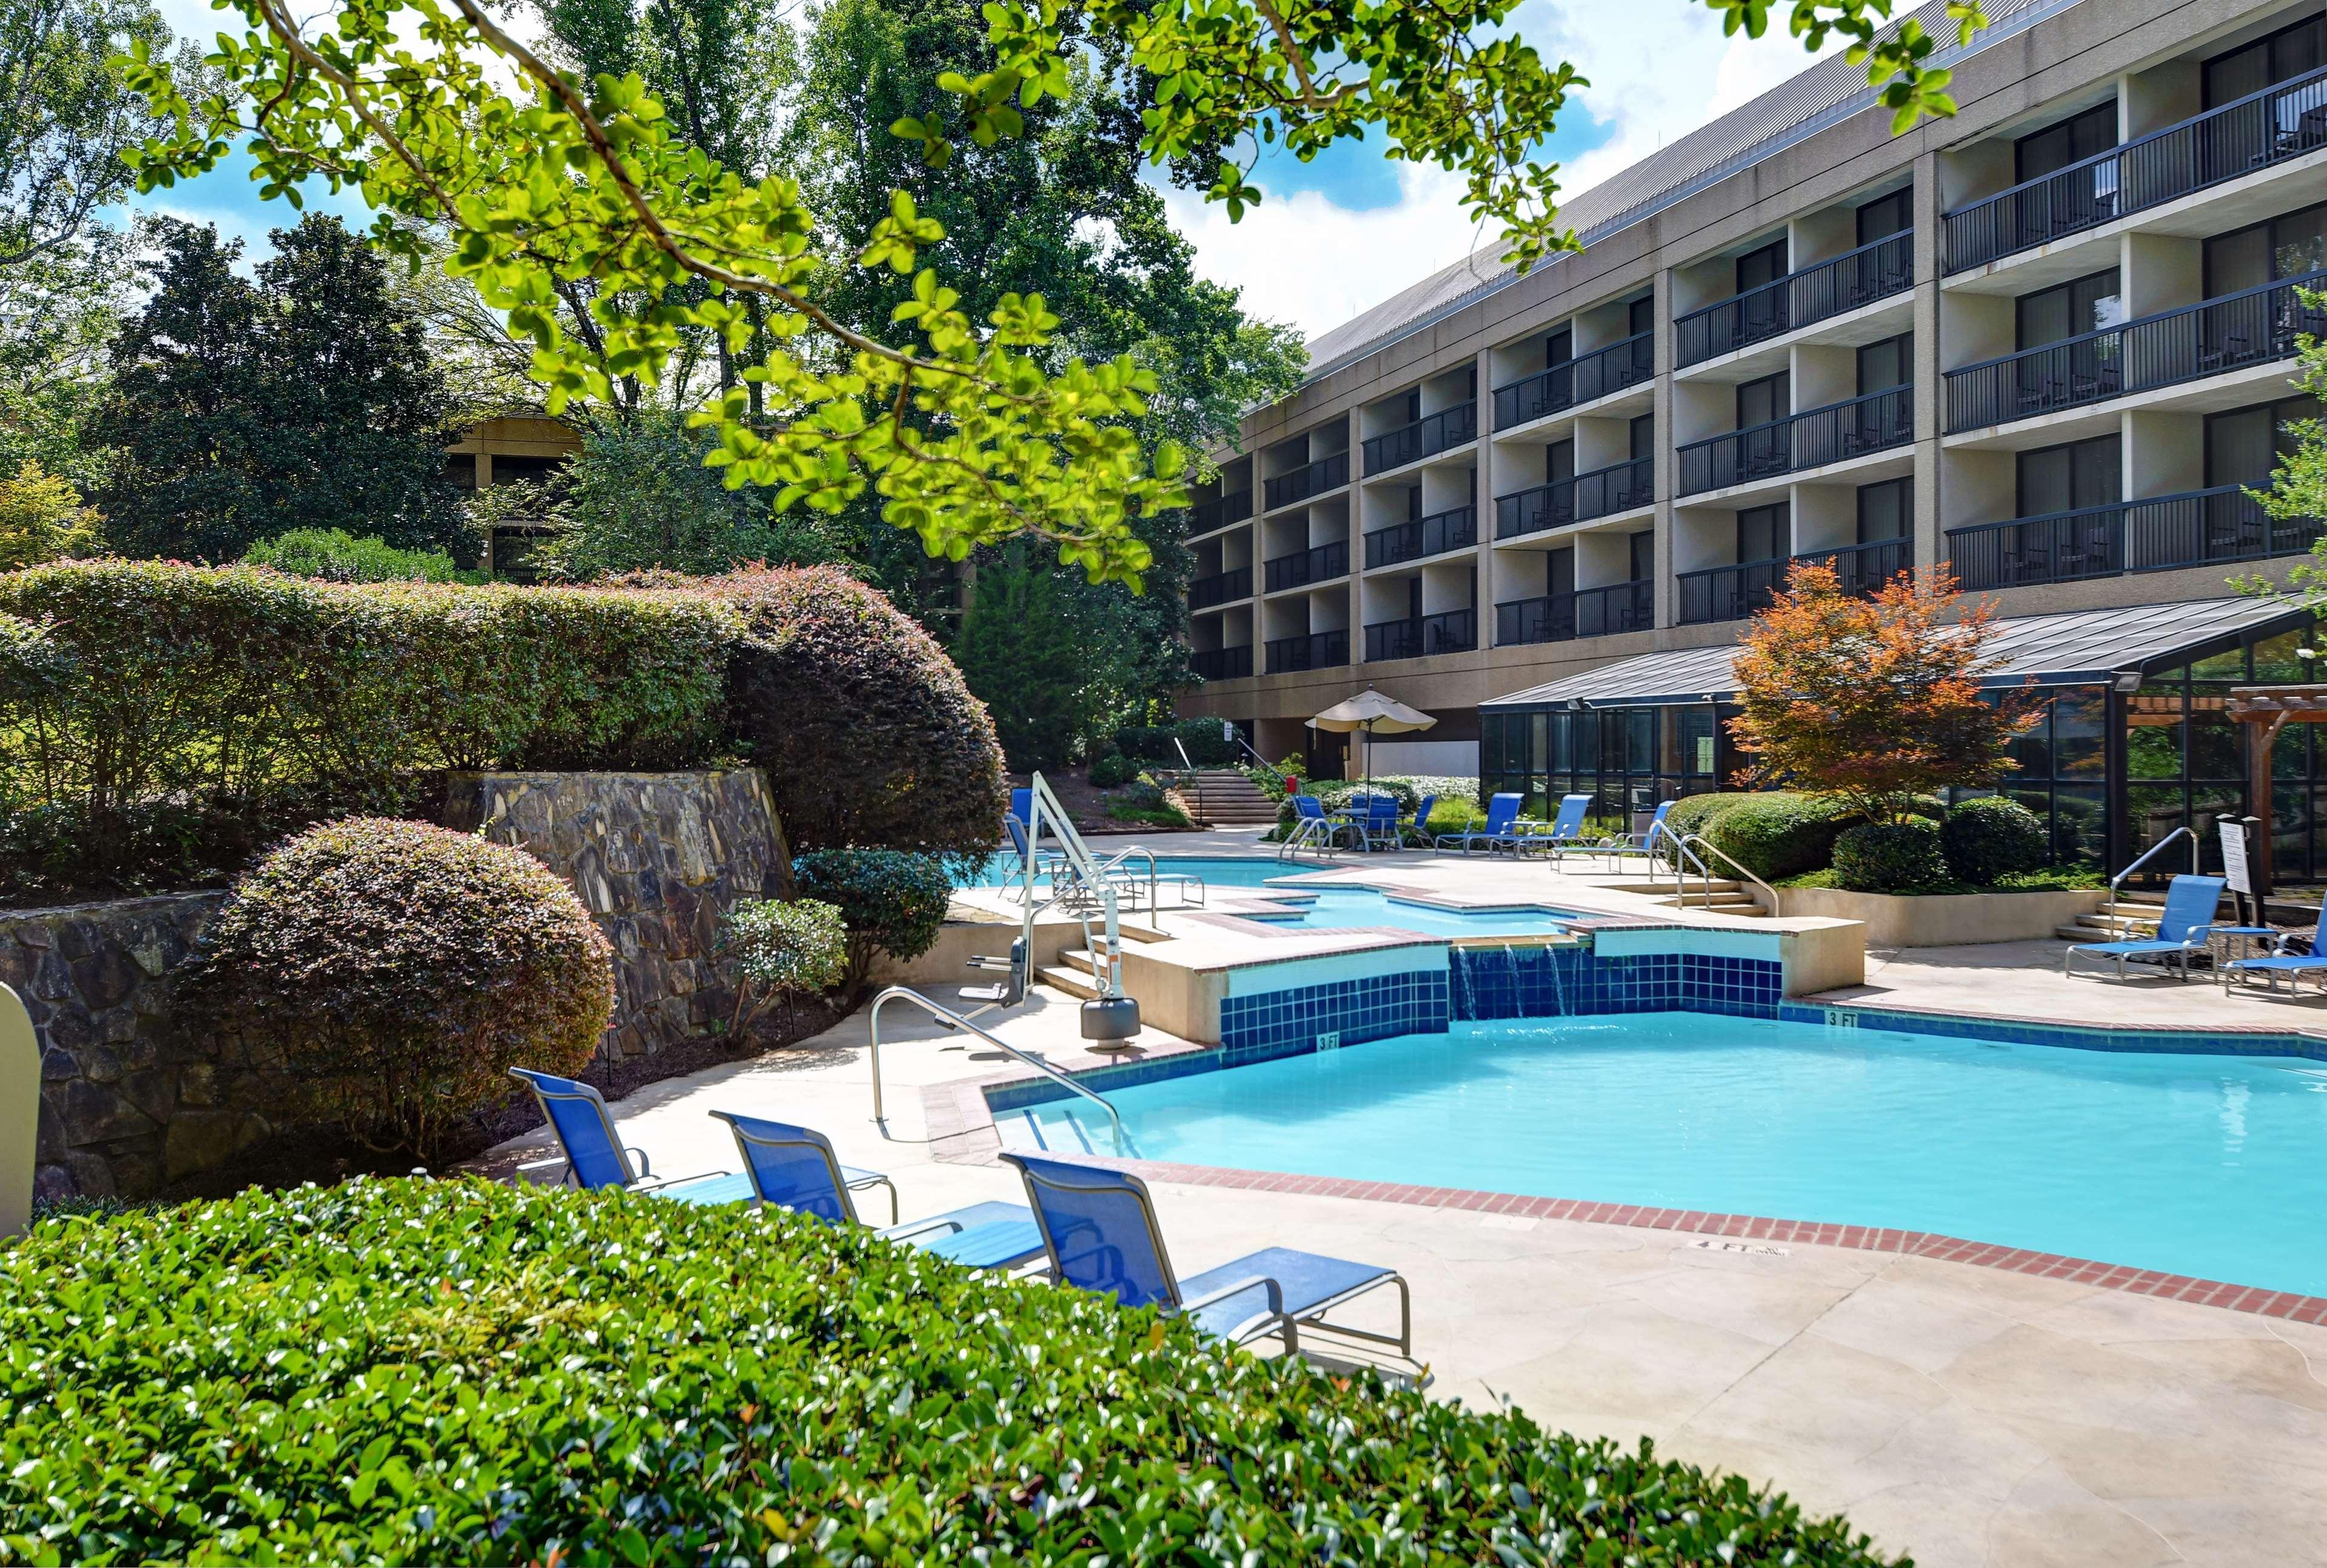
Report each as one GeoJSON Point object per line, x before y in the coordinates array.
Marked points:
{"type": "Point", "coordinates": [1710, 1245]}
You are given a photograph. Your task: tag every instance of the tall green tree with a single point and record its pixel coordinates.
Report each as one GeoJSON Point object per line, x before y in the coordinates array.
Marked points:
{"type": "Point", "coordinates": [1021, 650]}
{"type": "Point", "coordinates": [243, 409]}
{"type": "Point", "coordinates": [66, 115]}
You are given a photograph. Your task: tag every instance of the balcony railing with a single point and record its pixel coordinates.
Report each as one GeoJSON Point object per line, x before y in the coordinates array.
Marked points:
{"type": "Point", "coordinates": [1222, 663]}
{"type": "Point", "coordinates": [1315, 479]}
{"type": "Point", "coordinates": [1585, 613]}
{"type": "Point", "coordinates": [1316, 650]}
{"type": "Point", "coordinates": [1448, 632]}
{"type": "Point", "coordinates": [2278, 123]}
{"type": "Point", "coordinates": [2203, 527]}
{"type": "Point", "coordinates": [1220, 587]}
{"type": "Point", "coordinates": [2252, 327]}
{"type": "Point", "coordinates": [1425, 437]}
{"type": "Point", "coordinates": [1800, 441]}
{"type": "Point", "coordinates": [1864, 568]}
{"type": "Point", "coordinates": [1454, 529]}
{"type": "Point", "coordinates": [1232, 508]}
{"type": "Point", "coordinates": [1735, 592]}
{"type": "Point", "coordinates": [1582, 381]}
{"type": "Point", "coordinates": [1598, 494]}
{"type": "Point", "coordinates": [1319, 565]}
{"type": "Point", "coordinates": [1855, 278]}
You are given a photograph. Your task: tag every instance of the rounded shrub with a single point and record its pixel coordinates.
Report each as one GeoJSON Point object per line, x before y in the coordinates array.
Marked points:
{"type": "Point", "coordinates": [1778, 833]}
{"type": "Point", "coordinates": [869, 735]}
{"type": "Point", "coordinates": [891, 901]}
{"type": "Point", "coordinates": [782, 949]}
{"type": "Point", "coordinates": [1891, 857]}
{"type": "Point", "coordinates": [1113, 771]}
{"type": "Point", "coordinates": [1992, 838]}
{"type": "Point", "coordinates": [1690, 813]}
{"type": "Point", "coordinates": [465, 1372]}
{"type": "Point", "coordinates": [401, 970]}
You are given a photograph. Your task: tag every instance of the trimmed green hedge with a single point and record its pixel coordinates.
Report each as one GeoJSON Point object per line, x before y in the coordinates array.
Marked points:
{"type": "Point", "coordinates": [1690, 813]}
{"type": "Point", "coordinates": [1991, 836]}
{"type": "Point", "coordinates": [1208, 744]}
{"type": "Point", "coordinates": [1891, 857]}
{"type": "Point", "coordinates": [1777, 832]}
{"type": "Point", "coordinates": [460, 1372]}
{"type": "Point", "coordinates": [891, 901]}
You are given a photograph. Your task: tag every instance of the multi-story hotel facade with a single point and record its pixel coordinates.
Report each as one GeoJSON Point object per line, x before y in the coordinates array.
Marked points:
{"type": "Point", "coordinates": [2046, 342]}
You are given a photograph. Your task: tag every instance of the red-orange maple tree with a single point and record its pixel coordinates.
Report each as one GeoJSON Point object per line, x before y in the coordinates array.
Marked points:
{"type": "Point", "coordinates": [1875, 700]}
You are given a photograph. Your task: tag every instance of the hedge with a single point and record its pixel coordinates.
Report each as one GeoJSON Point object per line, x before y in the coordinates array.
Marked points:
{"type": "Point", "coordinates": [1207, 743]}
{"type": "Point", "coordinates": [891, 903]}
{"type": "Point", "coordinates": [1891, 857]}
{"type": "Point", "coordinates": [460, 1372]}
{"type": "Point", "coordinates": [1991, 836]}
{"type": "Point", "coordinates": [1777, 832]}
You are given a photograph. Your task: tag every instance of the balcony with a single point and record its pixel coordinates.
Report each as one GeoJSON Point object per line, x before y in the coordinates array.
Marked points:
{"type": "Point", "coordinates": [2205, 528]}
{"type": "Point", "coordinates": [1455, 530]}
{"type": "Point", "coordinates": [1314, 650]}
{"type": "Point", "coordinates": [1800, 299]}
{"type": "Point", "coordinates": [1602, 492]}
{"type": "Point", "coordinates": [1232, 508]}
{"type": "Point", "coordinates": [1585, 613]}
{"type": "Point", "coordinates": [1320, 565]}
{"type": "Point", "coordinates": [1425, 437]}
{"type": "Point", "coordinates": [1221, 663]}
{"type": "Point", "coordinates": [1315, 478]}
{"type": "Point", "coordinates": [1800, 441]}
{"type": "Point", "coordinates": [1448, 632]}
{"type": "Point", "coordinates": [1736, 592]}
{"type": "Point", "coordinates": [1587, 379]}
{"type": "Point", "coordinates": [2252, 327]}
{"type": "Point", "coordinates": [1219, 588]}
{"type": "Point", "coordinates": [2271, 126]}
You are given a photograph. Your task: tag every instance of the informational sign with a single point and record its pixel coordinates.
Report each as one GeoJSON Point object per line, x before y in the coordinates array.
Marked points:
{"type": "Point", "coordinates": [2234, 856]}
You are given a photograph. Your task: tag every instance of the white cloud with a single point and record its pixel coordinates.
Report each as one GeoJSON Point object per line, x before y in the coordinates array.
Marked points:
{"type": "Point", "coordinates": [1659, 69]}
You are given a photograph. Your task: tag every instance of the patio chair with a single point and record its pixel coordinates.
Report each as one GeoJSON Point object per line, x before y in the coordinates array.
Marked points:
{"type": "Point", "coordinates": [2270, 967]}
{"type": "Point", "coordinates": [1644, 844]}
{"type": "Point", "coordinates": [1048, 862]}
{"type": "Point", "coordinates": [1565, 837]}
{"type": "Point", "coordinates": [1311, 829]}
{"type": "Point", "coordinates": [1378, 828]}
{"type": "Point", "coordinates": [595, 1157]}
{"type": "Point", "coordinates": [1419, 827]}
{"type": "Point", "coordinates": [1099, 1229]}
{"type": "Point", "coordinates": [1501, 831]}
{"type": "Point", "coordinates": [2184, 926]}
{"type": "Point", "coordinates": [794, 1167]}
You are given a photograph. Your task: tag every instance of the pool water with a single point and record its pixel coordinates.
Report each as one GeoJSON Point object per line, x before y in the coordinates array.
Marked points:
{"type": "Point", "coordinates": [2214, 1166]}
{"type": "Point", "coordinates": [1335, 909]}
{"type": "Point", "coordinates": [1218, 871]}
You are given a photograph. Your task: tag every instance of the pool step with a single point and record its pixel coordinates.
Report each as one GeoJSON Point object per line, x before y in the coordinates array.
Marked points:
{"type": "Point", "coordinates": [1077, 983]}
{"type": "Point", "coordinates": [2128, 927]}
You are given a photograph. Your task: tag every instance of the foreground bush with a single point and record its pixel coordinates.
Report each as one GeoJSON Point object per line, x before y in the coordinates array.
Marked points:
{"type": "Point", "coordinates": [1992, 838]}
{"type": "Point", "coordinates": [1891, 857]}
{"type": "Point", "coordinates": [891, 903]}
{"type": "Point", "coordinates": [401, 970]}
{"type": "Point", "coordinates": [1778, 834]}
{"type": "Point", "coordinates": [458, 1372]}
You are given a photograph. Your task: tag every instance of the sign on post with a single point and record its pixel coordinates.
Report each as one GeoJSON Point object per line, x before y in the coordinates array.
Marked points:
{"type": "Point", "coordinates": [2235, 865]}
{"type": "Point", "coordinates": [20, 1112]}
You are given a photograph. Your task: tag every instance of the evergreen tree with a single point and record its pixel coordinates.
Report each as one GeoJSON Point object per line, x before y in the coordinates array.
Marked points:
{"type": "Point", "coordinates": [1021, 652]}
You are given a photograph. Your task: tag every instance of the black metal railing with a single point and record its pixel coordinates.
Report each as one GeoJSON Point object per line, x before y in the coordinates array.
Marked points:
{"type": "Point", "coordinates": [1316, 650]}
{"type": "Point", "coordinates": [1314, 479]}
{"type": "Point", "coordinates": [1317, 565]}
{"type": "Point", "coordinates": [1829, 288]}
{"type": "Point", "coordinates": [1448, 632]}
{"type": "Point", "coordinates": [1232, 508]}
{"type": "Point", "coordinates": [1810, 439]}
{"type": "Point", "coordinates": [2284, 121]}
{"type": "Point", "coordinates": [1454, 530]}
{"type": "Point", "coordinates": [1586, 379]}
{"type": "Point", "coordinates": [1597, 494]}
{"type": "Point", "coordinates": [2203, 527]}
{"type": "Point", "coordinates": [1222, 663]}
{"type": "Point", "coordinates": [1430, 435]}
{"type": "Point", "coordinates": [1220, 587]}
{"type": "Point", "coordinates": [1864, 568]}
{"type": "Point", "coordinates": [1731, 593]}
{"type": "Point", "coordinates": [1585, 613]}
{"type": "Point", "coordinates": [2252, 327]}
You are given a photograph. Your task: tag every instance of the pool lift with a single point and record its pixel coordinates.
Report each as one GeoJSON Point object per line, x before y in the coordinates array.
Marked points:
{"type": "Point", "coordinates": [1111, 1018]}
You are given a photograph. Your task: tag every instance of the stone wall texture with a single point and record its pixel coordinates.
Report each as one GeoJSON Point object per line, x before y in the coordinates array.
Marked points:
{"type": "Point", "coordinates": [129, 1102]}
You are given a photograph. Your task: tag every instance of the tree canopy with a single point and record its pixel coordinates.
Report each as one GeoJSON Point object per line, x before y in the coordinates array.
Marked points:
{"type": "Point", "coordinates": [962, 425]}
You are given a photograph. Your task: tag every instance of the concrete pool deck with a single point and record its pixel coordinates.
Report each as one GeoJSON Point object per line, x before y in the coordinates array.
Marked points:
{"type": "Point", "coordinates": [1967, 1414]}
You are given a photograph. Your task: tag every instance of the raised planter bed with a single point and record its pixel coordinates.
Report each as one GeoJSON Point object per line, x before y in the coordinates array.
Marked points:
{"type": "Point", "coordinates": [1946, 920]}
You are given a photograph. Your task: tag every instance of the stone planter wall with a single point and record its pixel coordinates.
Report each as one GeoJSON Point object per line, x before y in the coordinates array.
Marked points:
{"type": "Point", "coordinates": [1946, 920]}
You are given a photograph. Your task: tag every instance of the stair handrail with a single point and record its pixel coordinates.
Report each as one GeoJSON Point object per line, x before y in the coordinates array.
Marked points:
{"type": "Point", "coordinates": [2184, 831]}
{"type": "Point", "coordinates": [1686, 839]}
{"type": "Point", "coordinates": [948, 1015]}
{"type": "Point", "coordinates": [1044, 810]}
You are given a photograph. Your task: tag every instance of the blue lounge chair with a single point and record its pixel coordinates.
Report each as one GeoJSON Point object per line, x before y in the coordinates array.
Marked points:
{"type": "Point", "coordinates": [1565, 834]}
{"type": "Point", "coordinates": [1017, 825]}
{"type": "Point", "coordinates": [1501, 831]}
{"type": "Point", "coordinates": [2186, 926]}
{"type": "Point", "coordinates": [1641, 846]}
{"type": "Point", "coordinates": [794, 1167]}
{"type": "Point", "coordinates": [1099, 1229]}
{"type": "Point", "coordinates": [1419, 828]}
{"type": "Point", "coordinates": [2294, 966]}
{"type": "Point", "coordinates": [595, 1157]}
{"type": "Point", "coordinates": [1378, 828]}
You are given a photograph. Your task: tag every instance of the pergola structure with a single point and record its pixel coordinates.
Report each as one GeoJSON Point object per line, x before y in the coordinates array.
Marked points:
{"type": "Point", "coordinates": [2266, 710]}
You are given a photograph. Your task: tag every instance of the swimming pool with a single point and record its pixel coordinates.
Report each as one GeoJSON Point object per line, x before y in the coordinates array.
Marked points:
{"type": "Point", "coordinates": [2214, 1166]}
{"type": "Point", "coordinates": [1333, 909]}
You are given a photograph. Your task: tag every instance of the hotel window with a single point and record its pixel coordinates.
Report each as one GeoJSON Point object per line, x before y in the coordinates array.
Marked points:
{"type": "Point", "coordinates": [2068, 310]}
{"type": "Point", "coordinates": [2070, 478]}
{"type": "Point", "coordinates": [2070, 141]}
{"type": "Point", "coordinates": [1886, 510]}
{"type": "Point", "coordinates": [2283, 55]}
{"type": "Point", "coordinates": [1765, 533]}
{"type": "Point", "coordinates": [1887, 216]}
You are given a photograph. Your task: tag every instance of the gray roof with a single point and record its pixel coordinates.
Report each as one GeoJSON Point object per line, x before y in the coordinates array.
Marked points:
{"type": "Point", "coordinates": [1830, 90]}
{"type": "Point", "coordinates": [2078, 647]}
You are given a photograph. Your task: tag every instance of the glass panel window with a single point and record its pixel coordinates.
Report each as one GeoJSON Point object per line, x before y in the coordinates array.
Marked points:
{"type": "Point", "coordinates": [1642, 316]}
{"type": "Point", "coordinates": [2246, 444]}
{"type": "Point", "coordinates": [2082, 136]}
{"type": "Point", "coordinates": [1641, 741]}
{"type": "Point", "coordinates": [1887, 364]}
{"type": "Point", "coordinates": [1758, 267]}
{"type": "Point", "coordinates": [2292, 245]}
{"type": "Point", "coordinates": [2069, 310]}
{"type": "Point", "coordinates": [2071, 476]}
{"type": "Point", "coordinates": [1759, 402]}
{"type": "Point", "coordinates": [1886, 215]}
{"type": "Point", "coordinates": [1765, 533]}
{"type": "Point", "coordinates": [1886, 510]}
{"type": "Point", "coordinates": [1559, 462]}
{"type": "Point", "coordinates": [1697, 743]}
{"type": "Point", "coordinates": [2274, 660]}
{"type": "Point", "coordinates": [1643, 436]}
{"type": "Point", "coordinates": [2079, 726]}
{"type": "Point", "coordinates": [2152, 734]}
{"type": "Point", "coordinates": [1644, 554]}
{"type": "Point", "coordinates": [2282, 56]}
{"type": "Point", "coordinates": [2080, 824]}
{"type": "Point", "coordinates": [1559, 348]}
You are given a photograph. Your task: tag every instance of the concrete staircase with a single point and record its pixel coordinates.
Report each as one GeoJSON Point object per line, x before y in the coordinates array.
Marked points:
{"type": "Point", "coordinates": [1077, 971]}
{"type": "Point", "coordinates": [2134, 923]}
{"type": "Point", "coordinates": [1721, 896]}
{"type": "Point", "coordinates": [1225, 797]}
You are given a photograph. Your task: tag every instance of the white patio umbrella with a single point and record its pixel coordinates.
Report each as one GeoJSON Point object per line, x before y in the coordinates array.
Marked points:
{"type": "Point", "coordinates": [1375, 715]}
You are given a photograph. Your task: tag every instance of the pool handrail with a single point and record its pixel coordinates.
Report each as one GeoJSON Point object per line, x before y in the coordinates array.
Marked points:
{"type": "Point", "coordinates": [2181, 832]}
{"type": "Point", "coordinates": [947, 1016]}
{"type": "Point", "coordinates": [1681, 846]}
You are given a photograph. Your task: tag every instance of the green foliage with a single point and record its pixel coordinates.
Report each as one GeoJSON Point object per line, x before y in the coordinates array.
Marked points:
{"type": "Point", "coordinates": [1776, 833]}
{"type": "Point", "coordinates": [1894, 57]}
{"type": "Point", "coordinates": [1989, 837]}
{"type": "Point", "coordinates": [782, 950]}
{"type": "Point", "coordinates": [2296, 494]}
{"type": "Point", "coordinates": [59, 309]}
{"type": "Point", "coordinates": [468, 1372]}
{"type": "Point", "coordinates": [1691, 813]}
{"type": "Point", "coordinates": [1891, 857]}
{"type": "Point", "coordinates": [241, 408]}
{"type": "Point", "coordinates": [1207, 743]}
{"type": "Point", "coordinates": [174, 718]}
{"type": "Point", "coordinates": [72, 116]}
{"type": "Point", "coordinates": [41, 519]}
{"type": "Point", "coordinates": [1023, 658]}
{"type": "Point", "coordinates": [1113, 771]}
{"type": "Point", "coordinates": [398, 971]}
{"type": "Point", "coordinates": [867, 730]}
{"type": "Point", "coordinates": [336, 556]}
{"type": "Point", "coordinates": [891, 903]}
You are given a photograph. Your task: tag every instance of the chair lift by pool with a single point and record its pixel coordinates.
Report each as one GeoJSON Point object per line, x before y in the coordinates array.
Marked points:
{"type": "Point", "coordinates": [1110, 1017]}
